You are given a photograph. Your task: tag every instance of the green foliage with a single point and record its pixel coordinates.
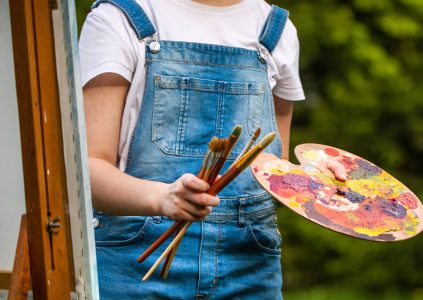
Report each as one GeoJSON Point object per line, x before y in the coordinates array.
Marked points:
{"type": "Point", "coordinates": [361, 67]}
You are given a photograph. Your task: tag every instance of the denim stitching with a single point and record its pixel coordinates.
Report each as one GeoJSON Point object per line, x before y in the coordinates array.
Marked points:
{"type": "Point", "coordinates": [273, 29]}
{"type": "Point", "coordinates": [131, 143]}
{"type": "Point", "coordinates": [129, 241]}
{"type": "Point", "coordinates": [135, 15]}
{"type": "Point", "coordinates": [185, 62]}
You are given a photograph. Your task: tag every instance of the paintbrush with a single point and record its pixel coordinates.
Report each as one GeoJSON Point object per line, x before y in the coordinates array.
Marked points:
{"type": "Point", "coordinates": [166, 252]}
{"type": "Point", "coordinates": [248, 146]}
{"type": "Point", "coordinates": [160, 240]}
{"type": "Point", "coordinates": [216, 146]}
{"type": "Point", "coordinates": [226, 178]}
{"type": "Point", "coordinates": [241, 165]}
{"type": "Point", "coordinates": [232, 139]}
{"type": "Point", "coordinates": [220, 150]}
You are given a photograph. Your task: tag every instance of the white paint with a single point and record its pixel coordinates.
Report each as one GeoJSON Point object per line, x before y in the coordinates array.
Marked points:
{"type": "Point", "coordinates": [12, 198]}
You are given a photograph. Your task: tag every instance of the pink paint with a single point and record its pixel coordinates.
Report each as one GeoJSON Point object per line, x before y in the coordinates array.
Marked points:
{"type": "Point", "coordinates": [335, 204]}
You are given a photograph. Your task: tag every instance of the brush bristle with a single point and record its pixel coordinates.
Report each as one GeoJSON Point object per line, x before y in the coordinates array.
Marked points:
{"type": "Point", "coordinates": [236, 131]}
{"type": "Point", "coordinates": [257, 132]}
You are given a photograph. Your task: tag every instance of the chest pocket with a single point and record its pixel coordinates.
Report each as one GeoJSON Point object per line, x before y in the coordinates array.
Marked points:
{"type": "Point", "coordinates": [188, 111]}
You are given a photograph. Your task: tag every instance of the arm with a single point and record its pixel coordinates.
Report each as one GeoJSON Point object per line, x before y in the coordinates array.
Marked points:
{"type": "Point", "coordinates": [116, 192]}
{"type": "Point", "coordinates": [283, 112]}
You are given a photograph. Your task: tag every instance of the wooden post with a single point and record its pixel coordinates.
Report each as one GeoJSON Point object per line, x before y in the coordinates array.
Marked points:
{"type": "Point", "coordinates": [42, 148]}
{"type": "Point", "coordinates": [20, 281]}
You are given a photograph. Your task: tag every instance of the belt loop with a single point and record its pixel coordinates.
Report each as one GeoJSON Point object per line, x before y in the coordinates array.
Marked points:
{"type": "Point", "coordinates": [241, 213]}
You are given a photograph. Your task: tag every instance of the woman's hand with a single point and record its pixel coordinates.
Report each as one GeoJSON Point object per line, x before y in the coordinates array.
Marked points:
{"type": "Point", "coordinates": [336, 168]}
{"type": "Point", "coordinates": [186, 199]}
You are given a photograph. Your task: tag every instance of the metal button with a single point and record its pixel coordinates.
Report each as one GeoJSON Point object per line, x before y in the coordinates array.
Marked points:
{"type": "Point", "coordinates": [262, 53]}
{"type": "Point", "coordinates": [96, 222]}
{"type": "Point", "coordinates": [154, 46]}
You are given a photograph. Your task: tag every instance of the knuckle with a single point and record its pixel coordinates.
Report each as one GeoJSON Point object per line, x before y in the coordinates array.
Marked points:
{"type": "Point", "coordinates": [188, 179]}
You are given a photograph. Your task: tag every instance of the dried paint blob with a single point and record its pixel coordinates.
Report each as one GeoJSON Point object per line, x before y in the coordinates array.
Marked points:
{"type": "Point", "coordinates": [331, 152]}
{"type": "Point", "coordinates": [371, 204]}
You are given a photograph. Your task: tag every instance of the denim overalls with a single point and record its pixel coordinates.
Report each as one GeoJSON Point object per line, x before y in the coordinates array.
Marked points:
{"type": "Point", "coordinates": [193, 92]}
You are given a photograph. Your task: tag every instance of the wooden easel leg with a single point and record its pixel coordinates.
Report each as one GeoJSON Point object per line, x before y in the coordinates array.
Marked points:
{"type": "Point", "coordinates": [20, 281]}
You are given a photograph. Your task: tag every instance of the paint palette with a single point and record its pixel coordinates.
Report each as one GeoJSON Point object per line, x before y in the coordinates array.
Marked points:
{"type": "Point", "coordinates": [370, 204]}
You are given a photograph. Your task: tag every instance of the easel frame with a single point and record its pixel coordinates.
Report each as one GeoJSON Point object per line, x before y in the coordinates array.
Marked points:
{"type": "Point", "coordinates": [57, 191]}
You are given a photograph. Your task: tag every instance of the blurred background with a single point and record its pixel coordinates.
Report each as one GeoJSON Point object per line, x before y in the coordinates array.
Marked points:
{"type": "Point", "coordinates": [362, 71]}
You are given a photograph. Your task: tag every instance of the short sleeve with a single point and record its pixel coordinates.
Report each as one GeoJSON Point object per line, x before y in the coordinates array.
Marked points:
{"type": "Point", "coordinates": [107, 44]}
{"type": "Point", "coordinates": [286, 57]}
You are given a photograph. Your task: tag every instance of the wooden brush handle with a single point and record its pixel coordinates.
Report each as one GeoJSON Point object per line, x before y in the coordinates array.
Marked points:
{"type": "Point", "coordinates": [160, 240]}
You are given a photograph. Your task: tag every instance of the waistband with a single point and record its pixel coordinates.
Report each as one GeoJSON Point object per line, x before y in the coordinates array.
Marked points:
{"type": "Point", "coordinates": [248, 207]}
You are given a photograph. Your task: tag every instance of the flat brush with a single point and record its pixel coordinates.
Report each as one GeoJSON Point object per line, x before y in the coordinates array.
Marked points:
{"type": "Point", "coordinates": [243, 163]}
{"type": "Point", "coordinates": [232, 139]}
{"type": "Point", "coordinates": [216, 147]}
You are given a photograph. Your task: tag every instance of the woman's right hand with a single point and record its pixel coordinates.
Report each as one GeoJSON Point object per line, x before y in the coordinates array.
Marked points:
{"type": "Point", "coordinates": [186, 199]}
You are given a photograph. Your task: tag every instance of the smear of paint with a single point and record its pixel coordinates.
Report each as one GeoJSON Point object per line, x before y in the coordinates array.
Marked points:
{"type": "Point", "coordinates": [312, 155]}
{"type": "Point", "coordinates": [331, 152]}
{"type": "Point", "coordinates": [354, 197]}
{"type": "Point", "coordinates": [407, 199]}
{"type": "Point", "coordinates": [393, 209]}
{"type": "Point", "coordinates": [371, 204]}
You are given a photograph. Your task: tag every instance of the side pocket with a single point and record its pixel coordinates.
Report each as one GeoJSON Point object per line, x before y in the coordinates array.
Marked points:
{"type": "Point", "coordinates": [265, 234]}
{"type": "Point", "coordinates": [120, 230]}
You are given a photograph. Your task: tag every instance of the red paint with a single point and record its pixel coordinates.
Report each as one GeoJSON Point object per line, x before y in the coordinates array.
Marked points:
{"type": "Point", "coordinates": [331, 152]}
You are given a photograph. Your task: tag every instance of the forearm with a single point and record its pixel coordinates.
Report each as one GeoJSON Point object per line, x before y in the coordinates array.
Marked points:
{"type": "Point", "coordinates": [117, 193]}
{"type": "Point", "coordinates": [284, 110]}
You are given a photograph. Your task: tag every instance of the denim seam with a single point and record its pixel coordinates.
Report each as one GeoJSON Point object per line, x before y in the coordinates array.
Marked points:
{"type": "Point", "coordinates": [135, 15]}
{"type": "Point", "coordinates": [274, 27]}
{"type": "Point", "coordinates": [140, 234]}
{"type": "Point", "coordinates": [260, 246]}
{"type": "Point", "coordinates": [248, 215]}
{"type": "Point", "coordinates": [131, 143]}
{"type": "Point", "coordinates": [185, 62]}
{"type": "Point", "coordinates": [216, 260]}
{"type": "Point", "coordinates": [199, 258]}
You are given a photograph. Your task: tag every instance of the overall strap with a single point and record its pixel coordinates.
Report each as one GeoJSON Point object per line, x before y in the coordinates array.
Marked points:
{"type": "Point", "coordinates": [135, 14]}
{"type": "Point", "coordinates": [273, 28]}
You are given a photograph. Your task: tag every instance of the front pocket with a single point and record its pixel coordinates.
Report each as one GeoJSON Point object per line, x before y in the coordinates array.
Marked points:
{"type": "Point", "coordinates": [189, 111]}
{"type": "Point", "coordinates": [120, 230]}
{"type": "Point", "coordinates": [265, 235]}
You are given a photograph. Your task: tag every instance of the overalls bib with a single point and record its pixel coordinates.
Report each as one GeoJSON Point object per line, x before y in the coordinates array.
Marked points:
{"type": "Point", "coordinates": [193, 92]}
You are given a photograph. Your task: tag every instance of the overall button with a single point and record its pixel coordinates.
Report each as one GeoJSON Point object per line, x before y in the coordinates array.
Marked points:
{"type": "Point", "coordinates": [262, 53]}
{"type": "Point", "coordinates": [154, 47]}
{"type": "Point", "coordinates": [96, 222]}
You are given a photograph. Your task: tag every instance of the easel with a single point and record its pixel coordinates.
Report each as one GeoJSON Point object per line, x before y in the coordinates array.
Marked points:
{"type": "Point", "coordinates": [49, 257]}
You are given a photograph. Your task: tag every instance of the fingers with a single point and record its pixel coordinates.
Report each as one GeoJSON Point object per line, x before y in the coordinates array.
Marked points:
{"type": "Point", "coordinates": [187, 199]}
{"type": "Point", "coordinates": [194, 183]}
{"type": "Point", "coordinates": [337, 169]}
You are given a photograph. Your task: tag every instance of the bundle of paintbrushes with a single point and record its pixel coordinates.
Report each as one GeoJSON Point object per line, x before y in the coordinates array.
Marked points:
{"type": "Point", "coordinates": [214, 160]}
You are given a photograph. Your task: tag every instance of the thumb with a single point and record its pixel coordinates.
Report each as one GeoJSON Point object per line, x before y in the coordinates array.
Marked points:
{"type": "Point", "coordinates": [337, 169]}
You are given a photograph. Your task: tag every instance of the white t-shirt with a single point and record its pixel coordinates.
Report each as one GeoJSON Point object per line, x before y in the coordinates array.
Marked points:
{"type": "Point", "coordinates": [109, 44]}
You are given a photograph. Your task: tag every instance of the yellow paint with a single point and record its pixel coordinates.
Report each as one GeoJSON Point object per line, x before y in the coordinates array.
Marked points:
{"type": "Point", "coordinates": [294, 204]}
{"type": "Point", "coordinates": [369, 231]}
{"type": "Point", "coordinates": [297, 172]}
{"type": "Point", "coordinates": [311, 155]}
{"type": "Point", "coordinates": [277, 171]}
{"type": "Point", "coordinates": [371, 188]}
